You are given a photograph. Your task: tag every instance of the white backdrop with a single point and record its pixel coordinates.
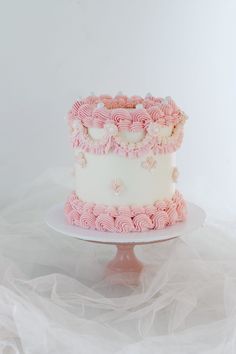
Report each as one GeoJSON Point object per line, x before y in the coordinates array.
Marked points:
{"type": "Point", "coordinates": [53, 295]}
{"type": "Point", "coordinates": [53, 51]}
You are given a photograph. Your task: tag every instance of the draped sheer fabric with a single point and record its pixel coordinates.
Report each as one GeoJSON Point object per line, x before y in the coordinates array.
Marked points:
{"type": "Point", "coordinates": [54, 297]}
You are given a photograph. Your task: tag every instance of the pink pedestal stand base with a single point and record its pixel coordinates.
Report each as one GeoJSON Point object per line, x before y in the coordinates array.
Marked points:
{"type": "Point", "coordinates": [125, 268]}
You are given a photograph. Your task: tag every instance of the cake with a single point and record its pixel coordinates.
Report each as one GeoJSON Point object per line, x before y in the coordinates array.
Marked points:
{"type": "Point", "coordinates": [125, 169]}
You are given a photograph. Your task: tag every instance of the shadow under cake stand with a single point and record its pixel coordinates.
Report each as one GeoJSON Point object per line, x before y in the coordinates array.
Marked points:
{"type": "Point", "coordinates": [125, 267]}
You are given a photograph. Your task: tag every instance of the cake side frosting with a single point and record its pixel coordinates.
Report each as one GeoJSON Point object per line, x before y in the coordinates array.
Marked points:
{"type": "Point", "coordinates": [125, 158]}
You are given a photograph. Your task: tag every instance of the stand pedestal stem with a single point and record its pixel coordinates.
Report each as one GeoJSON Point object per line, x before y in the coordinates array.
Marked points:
{"type": "Point", "coordinates": [124, 268]}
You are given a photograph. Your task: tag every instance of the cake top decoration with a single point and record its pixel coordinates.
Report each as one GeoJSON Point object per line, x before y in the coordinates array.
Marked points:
{"type": "Point", "coordinates": [159, 121]}
{"type": "Point", "coordinates": [95, 111]}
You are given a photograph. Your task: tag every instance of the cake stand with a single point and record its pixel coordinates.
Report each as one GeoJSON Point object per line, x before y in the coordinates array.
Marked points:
{"type": "Point", "coordinates": [125, 267]}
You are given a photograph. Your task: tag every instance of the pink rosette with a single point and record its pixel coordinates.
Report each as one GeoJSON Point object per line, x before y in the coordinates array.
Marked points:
{"type": "Point", "coordinates": [91, 99]}
{"type": "Point", "coordinates": [124, 211]}
{"type": "Point", "coordinates": [121, 101]}
{"type": "Point", "coordinates": [85, 111]}
{"type": "Point", "coordinates": [114, 104]}
{"type": "Point", "coordinates": [167, 107]}
{"type": "Point", "coordinates": [150, 210]}
{"type": "Point", "coordinates": [112, 211]}
{"type": "Point", "coordinates": [87, 220]}
{"type": "Point", "coordinates": [172, 213]}
{"type": "Point", "coordinates": [147, 103]}
{"type": "Point", "coordinates": [98, 209]}
{"type": "Point", "coordinates": [123, 223]}
{"type": "Point", "coordinates": [67, 208]}
{"type": "Point", "coordinates": [72, 197]}
{"type": "Point", "coordinates": [105, 222]}
{"type": "Point", "coordinates": [160, 220]}
{"type": "Point", "coordinates": [77, 205]}
{"type": "Point", "coordinates": [88, 207]}
{"type": "Point", "coordinates": [140, 115]}
{"type": "Point", "coordinates": [142, 222]}
{"type": "Point", "coordinates": [155, 113]}
{"type": "Point", "coordinates": [136, 209]}
{"type": "Point", "coordinates": [181, 207]}
{"type": "Point", "coordinates": [100, 116]}
{"type": "Point", "coordinates": [75, 108]}
{"type": "Point", "coordinates": [73, 217]}
{"type": "Point", "coordinates": [120, 114]}
{"type": "Point", "coordinates": [136, 100]}
{"type": "Point", "coordinates": [160, 205]}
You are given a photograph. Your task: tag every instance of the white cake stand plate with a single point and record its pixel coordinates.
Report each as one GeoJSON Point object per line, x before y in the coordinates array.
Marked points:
{"type": "Point", "coordinates": [125, 268]}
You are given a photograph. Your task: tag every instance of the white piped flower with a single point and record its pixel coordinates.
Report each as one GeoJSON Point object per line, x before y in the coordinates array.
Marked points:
{"type": "Point", "coordinates": [111, 129]}
{"type": "Point", "coordinates": [80, 159]}
{"type": "Point", "coordinates": [139, 106]}
{"type": "Point", "coordinates": [153, 129]}
{"type": "Point", "coordinates": [76, 124]}
{"type": "Point", "coordinates": [100, 105]}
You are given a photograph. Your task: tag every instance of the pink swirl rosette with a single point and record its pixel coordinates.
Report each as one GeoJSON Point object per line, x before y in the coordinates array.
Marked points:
{"type": "Point", "coordinates": [98, 209]}
{"type": "Point", "coordinates": [160, 205]}
{"type": "Point", "coordinates": [77, 205]}
{"type": "Point", "coordinates": [124, 211]}
{"type": "Point", "coordinates": [105, 222]}
{"type": "Point", "coordinates": [160, 220]}
{"type": "Point", "coordinates": [172, 213]}
{"type": "Point", "coordinates": [85, 110]}
{"type": "Point", "coordinates": [136, 209]}
{"type": "Point", "coordinates": [136, 100]}
{"type": "Point", "coordinates": [88, 207]}
{"type": "Point", "coordinates": [67, 208]}
{"type": "Point", "coordinates": [112, 211]}
{"type": "Point", "coordinates": [150, 210]}
{"type": "Point", "coordinates": [141, 116]}
{"type": "Point", "coordinates": [155, 113]}
{"type": "Point", "coordinates": [91, 99]}
{"type": "Point", "coordinates": [181, 207]}
{"type": "Point", "coordinates": [75, 108]}
{"type": "Point", "coordinates": [73, 217]}
{"type": "Point", "coordinates": [123, 223]}
{"type": "Point", "coordinates": [87, 220]}
{"type": "Point", "coordinates": [142, 222]}
{"type": "Point", "coordinates": [100, 116]}
{"type": "Point", "coordinates": [120, 114]}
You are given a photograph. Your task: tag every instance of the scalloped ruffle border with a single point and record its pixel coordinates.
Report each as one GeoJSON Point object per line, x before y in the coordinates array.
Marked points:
{"type": "Point", "coordinates": [81, 139]}
{"type": "Point", "coordinates": [125, 218]}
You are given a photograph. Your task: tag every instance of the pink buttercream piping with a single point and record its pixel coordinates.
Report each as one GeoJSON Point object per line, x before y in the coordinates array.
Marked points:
{"type": "Point", "coordinates": [125, 218]}
{"type": "Point", "coordinates": [119, 108]}
{"type": "Point", "coordinates": [120, 113]}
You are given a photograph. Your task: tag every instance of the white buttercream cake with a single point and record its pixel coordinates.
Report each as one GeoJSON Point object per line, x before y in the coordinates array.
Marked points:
{"type": "Point", "coordinates": [125, 166]}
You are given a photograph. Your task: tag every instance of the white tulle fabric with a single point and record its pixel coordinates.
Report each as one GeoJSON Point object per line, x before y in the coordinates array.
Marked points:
{"type": "Point", "coordinates": [54, 298]}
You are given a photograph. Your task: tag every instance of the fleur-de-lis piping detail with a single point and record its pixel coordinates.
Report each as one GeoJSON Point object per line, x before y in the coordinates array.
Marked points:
{"type": "Point", "coordinates": [80, 159]}
{"type": "Point", "coordinates": [117, 186]}
{"type": "Point", "coordinates": [150, 163]}
{"type": "Point", "coordinates": [175, 174]}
